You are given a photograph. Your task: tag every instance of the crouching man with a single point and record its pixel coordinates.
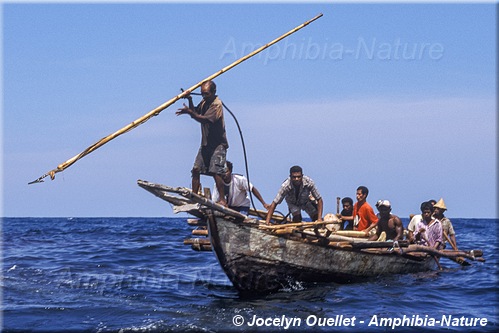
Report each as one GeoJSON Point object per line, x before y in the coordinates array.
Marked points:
{"type": "Point", "coordinates": [300, 193]}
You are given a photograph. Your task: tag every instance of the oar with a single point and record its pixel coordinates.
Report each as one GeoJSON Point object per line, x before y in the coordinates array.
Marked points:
{"type": "Point", "coordinates": [163, 106]}
{"type": "Point", "coordinates": [293, 225]}
{"type": "Point", "coordinates": [473, 255]}
{"type": "Point", "coordinates": [459, 260]}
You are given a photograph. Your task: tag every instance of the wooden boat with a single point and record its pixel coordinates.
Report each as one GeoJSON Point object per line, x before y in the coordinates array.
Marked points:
{"type": "Point", "coordinates": [259, 259]}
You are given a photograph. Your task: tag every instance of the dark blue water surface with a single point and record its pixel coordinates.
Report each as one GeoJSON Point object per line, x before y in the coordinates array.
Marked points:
{"type": "Point", "coordinates": [135, 275]}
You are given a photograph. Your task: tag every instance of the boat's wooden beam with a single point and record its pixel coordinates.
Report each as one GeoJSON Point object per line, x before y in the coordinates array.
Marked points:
{"type": "Point", "coordinates": [200, 232]}
{"type": "Point", "coordinates": [193, 197]}
{"type": "Point", "coordinates": [198, 244]}
{"type": "Point", "coordinates": [263, 214]}
{"type": "Point", "coordinates": [197, 222]}
{"type": "Point", "coordinates": [200, 241]}
{"type": "Point", "coordinates": [472, 255]}
{"type": "Point", "coordinates": [292, 225]}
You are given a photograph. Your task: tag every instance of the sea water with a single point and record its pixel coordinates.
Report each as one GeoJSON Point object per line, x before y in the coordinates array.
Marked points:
{"type": "Point", "coordinates": [135, 275]}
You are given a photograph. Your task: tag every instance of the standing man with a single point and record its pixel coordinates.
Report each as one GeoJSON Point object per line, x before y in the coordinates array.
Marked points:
{"type": "Point", "coordinates": [301, 194]}
{"type": "Point", "coordinates": [447, 229]}
{"type": "Point", "coordinates": [236, 189]}
{"type": "Point", "coordinates": [388, 223]}
{"type": "Point", "coordinates": [211, 156]}
{"type": "Point", "coordinates": [363, 215]}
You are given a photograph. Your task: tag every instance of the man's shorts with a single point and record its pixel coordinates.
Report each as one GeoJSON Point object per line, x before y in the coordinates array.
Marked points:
{"type": "Point", "coordinates": [211, 161]}
{"type": "Point", "coordinates": [309, 207]}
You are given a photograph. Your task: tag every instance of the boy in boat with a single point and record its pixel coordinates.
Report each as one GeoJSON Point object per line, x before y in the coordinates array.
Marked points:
{"type": "Point", "coordinates": [415, 219]}
{"type": "Point", "coordinates": [236, 189]}
{"type": "Point", "coordinates": [388, 223]}
{"type": "Point", "coordinates": [211, 156]}
{"type": "Point", "coordinates": [297, 190]}
{"type": "Point", "coordinates": [429, 229]}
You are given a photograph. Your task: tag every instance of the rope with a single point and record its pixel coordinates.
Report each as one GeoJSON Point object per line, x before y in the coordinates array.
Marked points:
{"type": "Point", "coordinates": [245, 159]}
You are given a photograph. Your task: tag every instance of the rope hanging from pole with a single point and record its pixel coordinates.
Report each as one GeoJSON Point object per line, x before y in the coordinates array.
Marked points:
{"type": "Point", "coordinates": [157, 111]}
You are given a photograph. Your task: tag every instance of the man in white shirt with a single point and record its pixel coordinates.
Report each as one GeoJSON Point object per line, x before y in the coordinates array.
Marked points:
{"type": "Point", "coordinates": [236, 189]}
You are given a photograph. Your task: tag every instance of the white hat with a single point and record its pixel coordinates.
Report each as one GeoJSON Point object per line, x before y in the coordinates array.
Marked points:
{"type": "Point", "coordinates": [385, 203]}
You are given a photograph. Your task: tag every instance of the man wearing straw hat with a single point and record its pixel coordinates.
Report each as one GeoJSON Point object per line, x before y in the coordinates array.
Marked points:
{"type": "Point", "coordinates": [447, 228]}
{"type": "Point", "coordinates": [211, 157]}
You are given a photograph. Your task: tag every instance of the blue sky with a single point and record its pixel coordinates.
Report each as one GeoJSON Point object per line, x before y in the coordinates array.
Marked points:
{"type": "Point", "coordinates": [397, 97]}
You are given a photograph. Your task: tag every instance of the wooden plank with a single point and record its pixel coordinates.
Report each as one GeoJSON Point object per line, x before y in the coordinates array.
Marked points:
{"type": "Point", "coordinates": [200, 241]}
{"type": "Point", "coordinates": [262, 214]}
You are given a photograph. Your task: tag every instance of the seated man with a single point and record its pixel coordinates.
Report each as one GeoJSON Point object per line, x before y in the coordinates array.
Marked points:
{"type": "Point", "coordinates": [447, 229]}
{"type": "Point", "coordinates": [388, 223]}
{"type": "Point", "coordinates": [347, 203]}
{"type": "Point", "coordinates": [429, 230]}
{"type": "Point", "coordinates": [363, 217]}
{"type": "Point", "coordinates": [414, 220]}
{"type": "Point", "coordinates": [297, 190]}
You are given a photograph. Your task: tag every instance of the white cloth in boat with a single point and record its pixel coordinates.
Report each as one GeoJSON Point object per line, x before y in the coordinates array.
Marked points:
{"type": "Point", "coordinates": [414, 222]}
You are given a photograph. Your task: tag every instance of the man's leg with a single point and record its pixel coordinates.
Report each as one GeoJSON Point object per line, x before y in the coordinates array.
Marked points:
{"type": "Point", "coordinates": [221, 190]}
{"type": "Point", "coordinates": [295, 211]}
{"type": "Point", "coordinates": [311, 209]}
{"type": "Point", "coordinates": [196, 171]}
{"type": "Point", "coordinates": [217, 168]}
{"type": "Point", "coordinates": [196, 180]}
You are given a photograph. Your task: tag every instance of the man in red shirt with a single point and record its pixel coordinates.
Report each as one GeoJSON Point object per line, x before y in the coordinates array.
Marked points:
{"type": "Point", "coordinates": [364, 218]}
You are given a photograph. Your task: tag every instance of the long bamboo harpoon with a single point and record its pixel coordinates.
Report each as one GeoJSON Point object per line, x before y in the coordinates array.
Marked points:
{"type": "Point", "coordinates": [156, 111]}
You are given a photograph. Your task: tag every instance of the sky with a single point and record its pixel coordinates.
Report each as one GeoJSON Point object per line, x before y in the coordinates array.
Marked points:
{"type": "Point", "coordinates": [397, 97]}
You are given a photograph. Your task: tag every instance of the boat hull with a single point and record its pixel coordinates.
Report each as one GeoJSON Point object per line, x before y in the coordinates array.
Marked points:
{"type": "Point", "coordinates": [259, 262]}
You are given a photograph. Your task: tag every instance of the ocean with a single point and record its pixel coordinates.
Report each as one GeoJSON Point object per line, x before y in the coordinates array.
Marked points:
{"type": "Point", "coordinates": [135, 275]}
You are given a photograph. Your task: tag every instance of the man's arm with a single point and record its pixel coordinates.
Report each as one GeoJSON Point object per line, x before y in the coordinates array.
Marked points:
{"type": "Point", "coordinates": [270, 212]}
{"type": "Point", "coordinates": [399, 228]}
{"type": "Point", "coordinates": [194, 115]}
{"type": "Point", "coordinates": [260, 198]}
{"type": "Point", "coordinates": [372, 218]}
{"type": "Point", "coordinates": [320, 205]}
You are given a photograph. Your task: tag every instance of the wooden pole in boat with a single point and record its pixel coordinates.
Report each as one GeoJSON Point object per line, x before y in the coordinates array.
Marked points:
{"type": "Point", "coordinates": [157, 111]}
{"type": "Point", "coordinates": [459, 260]}
{"type": "Point", "coordinates": [473, 254]}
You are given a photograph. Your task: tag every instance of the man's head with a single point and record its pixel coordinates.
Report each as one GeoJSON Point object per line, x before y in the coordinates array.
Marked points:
{"type": "Point", "coordinates": [227, 175]}
{"type": "Point", "coordinates": [347, 204]}
{"type": "Point", "coordinates": [208, 90]}
{"type": "Point", "coordinates": [362, 193]}
{"type": "Point", "coordinates": [439, 208]}
{"type": "Point", "coordinates": [426, 210]}
{"type": "Point", "coordinates": [296, 175]}
{"type": "Point", "coordinates": [384, 207]}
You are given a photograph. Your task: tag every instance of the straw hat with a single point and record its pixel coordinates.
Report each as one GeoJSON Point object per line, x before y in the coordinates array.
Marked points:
{"type": "Point", "coordinates": [440, 204]}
